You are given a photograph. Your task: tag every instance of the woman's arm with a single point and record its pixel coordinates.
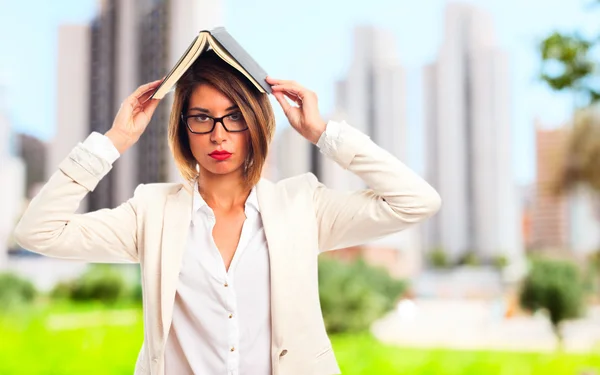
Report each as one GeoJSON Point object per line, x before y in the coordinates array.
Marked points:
{"type": "Point", "coordinates": [396, 198]}
{"type": "Point", "coordinates": [50, 225]}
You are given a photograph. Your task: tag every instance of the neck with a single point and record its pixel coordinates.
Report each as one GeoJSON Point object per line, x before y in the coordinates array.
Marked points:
{"type": "Point", "coordinates": [223, 192]}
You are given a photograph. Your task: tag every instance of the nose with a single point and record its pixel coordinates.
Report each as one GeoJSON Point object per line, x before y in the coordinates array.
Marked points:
{"type": "Point", "coordinates": [219, 133]}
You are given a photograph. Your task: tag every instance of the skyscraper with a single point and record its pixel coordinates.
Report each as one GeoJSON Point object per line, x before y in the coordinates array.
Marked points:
{"type": "Point", "coordinates": [371, 98]}
{"type": "Point", "coordinates": [373, 94]}
{"type": "Point", "coordinates": [12, 181]}
{"type": "Point", "coordinates": [468, 147]}
{"type": "Point", "coordinates": [72, 97]}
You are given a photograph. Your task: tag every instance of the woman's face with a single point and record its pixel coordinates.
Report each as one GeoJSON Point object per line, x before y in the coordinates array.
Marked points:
{"type": "Point", "coordinates": [218, 152]}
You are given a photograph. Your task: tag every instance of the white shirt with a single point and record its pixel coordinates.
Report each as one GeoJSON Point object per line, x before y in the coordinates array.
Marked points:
{"type": "Point", "coordinates": [221, 319]}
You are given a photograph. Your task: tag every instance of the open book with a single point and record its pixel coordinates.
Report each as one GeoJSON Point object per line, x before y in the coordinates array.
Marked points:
{"type": "Point", "coordinates": [219, 40]}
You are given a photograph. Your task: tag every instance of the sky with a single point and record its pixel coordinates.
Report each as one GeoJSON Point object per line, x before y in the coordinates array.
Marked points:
{"type": "Point", "coordinates": [311, 42]}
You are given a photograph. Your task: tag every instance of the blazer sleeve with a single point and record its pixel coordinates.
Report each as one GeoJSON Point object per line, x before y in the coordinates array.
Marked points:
{"type": "Point", "coordinates": [51, 227]}
{"type": "Point", "coordinates": [395, 199]}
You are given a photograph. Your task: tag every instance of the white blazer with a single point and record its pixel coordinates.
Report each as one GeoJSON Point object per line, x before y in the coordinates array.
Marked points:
{"type": "Point", "coordinates": [299, 215]}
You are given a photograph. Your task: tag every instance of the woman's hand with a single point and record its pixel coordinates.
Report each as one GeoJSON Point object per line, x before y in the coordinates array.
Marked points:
{"type": "Point", "coordinates": [305, 118]}
{"type": "Point", "coordinates": [133, 117]}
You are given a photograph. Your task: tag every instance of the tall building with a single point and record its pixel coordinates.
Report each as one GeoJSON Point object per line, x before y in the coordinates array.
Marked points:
{"type": "Point", "coordinates": [73, 101]}
{"type": "Point", "coordinates": [102, 101]}
{"type": "Point", "coordinates": [549, 219]}
{"type": "Point", "coordinates": [33, 153]}
{"type": "Point", "coordinates": [373, 94]}
{"type": "Point", "coordinates": [294, 154]}
{"type": "Point", "coordinates": [12, 181]}
{"type": "Point", "coordinates": [468, 148]}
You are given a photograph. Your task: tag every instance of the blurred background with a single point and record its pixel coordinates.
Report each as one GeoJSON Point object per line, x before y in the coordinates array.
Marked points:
{"type": "Point", "coordinates": [493, 102]}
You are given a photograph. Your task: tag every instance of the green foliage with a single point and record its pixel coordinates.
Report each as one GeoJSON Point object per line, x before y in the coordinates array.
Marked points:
{"type": "Point", "coordinates": [101, 282]}
{"type": "Point", "coordinates": [15, 291]}
{"type": "Point", "coordinates": [353, 295]}
{"type": "Point", "coordinates": [568, 64]}
{"type": "Point", "coordinates": [470, 258]}
{"type": "Point", "coordinates": [438, 258]}
{"type": "Point", "coordinates": [500, 261]}
{"type": "Point", "coordinates": [556, 287]}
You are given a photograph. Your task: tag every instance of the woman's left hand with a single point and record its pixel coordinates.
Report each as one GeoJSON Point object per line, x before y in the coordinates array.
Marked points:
{"type": "Point", "coordinates": [305, 118]}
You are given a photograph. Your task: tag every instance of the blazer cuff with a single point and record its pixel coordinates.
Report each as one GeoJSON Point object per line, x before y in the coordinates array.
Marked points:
{"type": "Point", "coordinates": [84, 167]}
{"type": "Point", "coordinates": [100, 145]}
{"type": "Point", "coordinates": [341, 142]}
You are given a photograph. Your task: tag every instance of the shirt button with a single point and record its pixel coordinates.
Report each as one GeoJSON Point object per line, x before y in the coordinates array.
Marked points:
{"type": "Point", "coordinates": [225, 285]}
{"type": "Point", "coordinates": [283, 352]}
{"type": "Point", "coordinates": [230, 316]}
{"type": "Point", "coordinates": [232, 349]}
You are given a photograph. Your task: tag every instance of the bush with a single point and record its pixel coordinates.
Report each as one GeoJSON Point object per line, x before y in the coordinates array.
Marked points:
{"type": "Point", "coordinates": [15, 291]}
{"type": "Point", "coordinates": [500, 261]}
{"type": "Point", "coordinates": [438, 258]}
{"type": "Point", "coordinates": [556, 287]}
{"type": "Point", "coordinates": [101, 282]}
{"type": "Point", "coordinates": [353, 295]}
{"type": "Point", "coordinates": [469, 258]}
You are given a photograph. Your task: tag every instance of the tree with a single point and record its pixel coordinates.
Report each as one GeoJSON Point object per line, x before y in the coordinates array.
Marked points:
{"type": "Point", "coordinates": [568, 64]}
{"type": "Point", "coordinates": [555, 287]}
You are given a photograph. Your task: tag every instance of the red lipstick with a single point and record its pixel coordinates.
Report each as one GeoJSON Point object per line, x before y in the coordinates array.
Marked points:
{"type": "Point", "coordinates": [220, 155]}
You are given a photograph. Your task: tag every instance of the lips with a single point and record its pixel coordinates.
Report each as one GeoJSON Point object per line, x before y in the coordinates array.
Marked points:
{"type": "Point", "coordinates": [220, 155]}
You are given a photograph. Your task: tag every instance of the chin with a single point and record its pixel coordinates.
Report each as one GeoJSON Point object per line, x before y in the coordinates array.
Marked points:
{"type": "Point", "coordinates": [221, 168]}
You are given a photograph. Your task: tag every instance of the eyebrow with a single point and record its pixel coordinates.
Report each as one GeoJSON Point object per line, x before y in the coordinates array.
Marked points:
{"type": "Point", "coordinates": [204, 110]}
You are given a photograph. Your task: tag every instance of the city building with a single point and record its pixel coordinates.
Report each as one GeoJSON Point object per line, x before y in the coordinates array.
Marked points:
{"type": "Point", "coordinates": [468, 144]}
{"type": "Point", "coordinates": [12, 181]}
{"type": "Point", "coordinates": [72, 99]}
{"type": "Point", "coordinates": [550, 211]}
{"type": "Point", "coordinates": [33, 153]}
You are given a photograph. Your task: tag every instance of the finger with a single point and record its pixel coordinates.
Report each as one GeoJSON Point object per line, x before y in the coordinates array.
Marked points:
{"type": "Point", "coordinates": [296, 90]}
{"type": "Point", "coordinates": [282, 102]}
{"type": "Point", "coordinates": [150, 107]}
{"type": "Point", "coordinates": [289, 89]}
{"type": "Point", "coordinates": [145, 88]}
{"type": "Point", "coordinates": [293, 97]}
{"type": "Point", "coordinates": [274, 81]}
{"type": "Point", "coordinates": [146, 96]}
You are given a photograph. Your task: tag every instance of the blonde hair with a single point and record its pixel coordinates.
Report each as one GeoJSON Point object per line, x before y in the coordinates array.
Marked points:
{"type": "Point", "coordinates": [254, 106]}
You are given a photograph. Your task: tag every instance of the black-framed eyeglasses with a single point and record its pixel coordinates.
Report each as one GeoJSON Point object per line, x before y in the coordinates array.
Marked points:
{"type": "Point", "coordinates": [204, 124]}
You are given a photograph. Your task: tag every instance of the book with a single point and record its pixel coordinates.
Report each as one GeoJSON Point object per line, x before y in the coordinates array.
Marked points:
{"type": "Point", "coordinates": [227, 48]}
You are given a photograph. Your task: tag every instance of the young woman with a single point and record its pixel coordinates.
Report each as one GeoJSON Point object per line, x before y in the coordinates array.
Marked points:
{"type": "Point", "coordinates": [228, 260]}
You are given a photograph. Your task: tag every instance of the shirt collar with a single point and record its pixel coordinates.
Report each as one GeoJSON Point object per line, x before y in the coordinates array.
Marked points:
{"type": "Point", "coordinates": [200, 204]}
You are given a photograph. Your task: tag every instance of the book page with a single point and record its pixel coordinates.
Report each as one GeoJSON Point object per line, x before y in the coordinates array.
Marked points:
{"type": "Point", "coordinates": [199, 44]}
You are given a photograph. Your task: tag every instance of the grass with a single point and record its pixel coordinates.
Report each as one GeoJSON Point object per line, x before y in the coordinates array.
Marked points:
{"type": "Point", "coordinates": [91, 339]}
{"type": "Point", "coordinates": [362, 355]}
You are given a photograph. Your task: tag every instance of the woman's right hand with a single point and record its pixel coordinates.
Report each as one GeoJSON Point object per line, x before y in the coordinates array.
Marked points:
{"type": "Point", "coordinates": [133, 117]}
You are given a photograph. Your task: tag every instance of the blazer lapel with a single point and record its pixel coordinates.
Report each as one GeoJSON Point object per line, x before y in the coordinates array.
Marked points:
{"type": "Point", "coordinates": [272, 214]}
{"type": "Point", "coordinates": [178, 211]}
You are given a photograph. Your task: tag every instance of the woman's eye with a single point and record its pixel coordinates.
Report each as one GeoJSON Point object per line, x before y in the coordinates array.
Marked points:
{"type": "Point", "coordinates": [201, 118]}
{"type": "Point", "coordinates": [235, 116]}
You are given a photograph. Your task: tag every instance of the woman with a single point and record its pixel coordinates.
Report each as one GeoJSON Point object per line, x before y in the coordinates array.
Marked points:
{"type": "Point", "coordinates": [228, 260]}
